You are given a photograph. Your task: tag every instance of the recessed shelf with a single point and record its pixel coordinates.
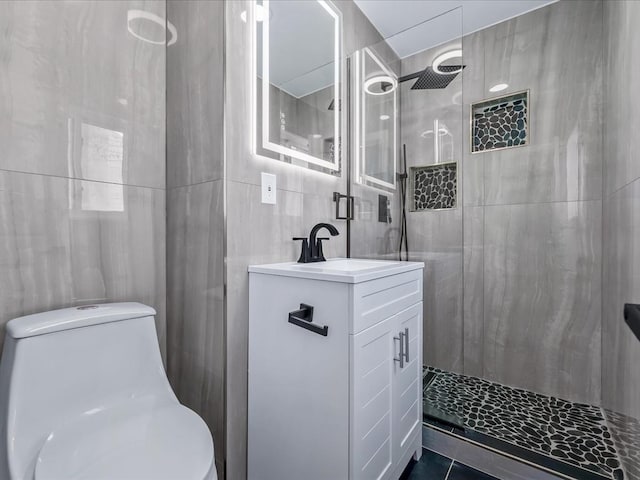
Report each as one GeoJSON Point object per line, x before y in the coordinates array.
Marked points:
{"type": "Point", "coordinates": [434, 187]}
{"type": "Point", "coordinates": [501, 122]}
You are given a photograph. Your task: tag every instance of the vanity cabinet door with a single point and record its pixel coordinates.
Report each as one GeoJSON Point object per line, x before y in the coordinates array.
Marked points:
{"type": "Point", "coordinates": [407, 383]}
{"type": "Point", "coordinates": [298, 398]}
{"type": "Point", "coordinates": [371, 446]}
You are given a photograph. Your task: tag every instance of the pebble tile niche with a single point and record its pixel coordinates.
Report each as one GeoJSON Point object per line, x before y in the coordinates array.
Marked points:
{"type": "Point", "coordinates": [434, 187]}
{"type": "Point", "coordinates": [500, 123]}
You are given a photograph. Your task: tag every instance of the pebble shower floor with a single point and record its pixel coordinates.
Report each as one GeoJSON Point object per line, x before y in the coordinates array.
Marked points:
{"type": "Point", "coordinates": [574, 433]}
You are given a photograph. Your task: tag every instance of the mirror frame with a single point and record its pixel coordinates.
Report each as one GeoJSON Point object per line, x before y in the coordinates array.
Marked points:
{"type": "Point", "coordinates": [264, 142]}
{"type": "Point", "coordinates": [360, 123]}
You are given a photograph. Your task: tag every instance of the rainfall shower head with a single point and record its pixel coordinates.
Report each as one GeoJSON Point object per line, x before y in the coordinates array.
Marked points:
{"type": "Point", "coordinates": [428, 79]}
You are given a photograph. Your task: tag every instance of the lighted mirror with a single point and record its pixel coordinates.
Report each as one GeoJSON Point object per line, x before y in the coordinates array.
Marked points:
{"type": "Point", "coordinates": [376, 89]}
{"type": "Point", "coordinates": [298, 96]}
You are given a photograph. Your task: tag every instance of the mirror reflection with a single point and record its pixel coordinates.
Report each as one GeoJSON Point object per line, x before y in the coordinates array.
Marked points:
{"type": "Point", "coordinates": [298, 81]}
{"type": "Point", "coordinates": [376, 120]}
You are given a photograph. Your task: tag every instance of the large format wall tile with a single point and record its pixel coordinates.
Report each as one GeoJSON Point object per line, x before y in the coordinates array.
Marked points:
{"type": "Point", "coordinates": [472, 197]}
{"type": "Point", "coordinates": [70, 242]}
{"type": "Point", "coordinates": [543, 298]}
{"type": "Point", "coordinates": [256, 234]}
{"type": "Point", "coordinates": [195, 307]}
{"type": "Point", "coordinates": [621, 255]}
{"type": "Point", "coordinates": [621, 349]}
{"type": "Point", "coordinates": [622, 77]}
{"type": "Point", "coordinates": [195, 100]}
{"type": "Point", "coordinates": [473, 290]}
{"type": "Point", "coordinates": [82, 116]}
{"type": "Point", "coordinates": [195, 214]}
{"type": "Point", "coordinates": [473, 89]}
{"type": "Point", "coordinates": [72, 77]}
{"type": "Point", "coordinates": [435, 238]}
{"type": "Point", "coordinates": [442, 308]}
{"type": "Point", "coordinates": [556, 53]}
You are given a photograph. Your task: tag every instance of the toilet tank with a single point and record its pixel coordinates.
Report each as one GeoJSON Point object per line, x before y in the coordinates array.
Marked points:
{"type": "Point", "coordinates": [62, 366]}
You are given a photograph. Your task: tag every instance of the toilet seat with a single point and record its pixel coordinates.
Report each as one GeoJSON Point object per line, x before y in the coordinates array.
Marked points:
{"type": "Point", "coordinates": [167, 443]}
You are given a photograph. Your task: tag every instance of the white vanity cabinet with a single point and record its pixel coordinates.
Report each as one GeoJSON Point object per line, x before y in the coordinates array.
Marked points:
{"type": "Point", "coordinates": [341, 402]}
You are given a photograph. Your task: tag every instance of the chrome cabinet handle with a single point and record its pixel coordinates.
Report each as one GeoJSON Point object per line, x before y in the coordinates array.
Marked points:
{"type": "Point", "coordinates": [406, 345]}
{"type": "Point", "coordinates": [401, 340]}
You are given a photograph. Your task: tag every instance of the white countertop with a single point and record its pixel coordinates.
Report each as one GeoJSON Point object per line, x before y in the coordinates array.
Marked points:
{"type": "Point", "coordinates": [344, 270]}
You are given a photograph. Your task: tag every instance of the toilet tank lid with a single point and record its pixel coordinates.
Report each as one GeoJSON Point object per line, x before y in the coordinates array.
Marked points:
{"type": "Point", "coordinates": [76, 317]}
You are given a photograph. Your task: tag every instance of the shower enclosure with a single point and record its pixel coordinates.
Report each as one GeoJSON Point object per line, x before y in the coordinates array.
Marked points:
{"type": "Point", "coordinates": [494, 156]}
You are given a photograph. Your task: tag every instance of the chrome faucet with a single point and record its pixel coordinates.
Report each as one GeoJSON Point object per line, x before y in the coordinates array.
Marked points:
{"type": "Point", "coordinates": [312, 247]}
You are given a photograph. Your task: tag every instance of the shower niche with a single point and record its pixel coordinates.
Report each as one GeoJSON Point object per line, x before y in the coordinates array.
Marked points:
{"type": "Point", "coordinates": [434, 187]}
{"type": "Point", "coordinates": [501, 122]}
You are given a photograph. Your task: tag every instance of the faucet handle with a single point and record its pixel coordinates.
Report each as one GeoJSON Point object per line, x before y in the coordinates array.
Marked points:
{"type": "Point", "coordinates": [304, 254]}
{"type": "Point", "coordinates": [319, 253]}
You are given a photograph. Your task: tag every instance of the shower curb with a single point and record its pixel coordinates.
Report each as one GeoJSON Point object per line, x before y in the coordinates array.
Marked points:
{"type": "Point", "coordinates": [494, 460]}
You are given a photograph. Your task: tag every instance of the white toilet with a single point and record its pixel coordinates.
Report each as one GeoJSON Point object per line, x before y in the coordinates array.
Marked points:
{"type": "Point", "coordinates": [84, 395]}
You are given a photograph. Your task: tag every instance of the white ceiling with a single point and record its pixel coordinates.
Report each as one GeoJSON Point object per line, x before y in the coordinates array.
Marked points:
{"type": "Point", "coordinates": [410, 26]}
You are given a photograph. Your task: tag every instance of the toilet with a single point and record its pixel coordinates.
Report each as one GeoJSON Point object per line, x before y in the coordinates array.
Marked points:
{"type": "Point", "coordinates": [84, 396]}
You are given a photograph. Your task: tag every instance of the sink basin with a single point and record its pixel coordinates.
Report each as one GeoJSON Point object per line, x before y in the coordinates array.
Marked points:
{"type": "Point", "coordinates": [346, 265]}
{"type": "Point", "coordinates": [346, 270]}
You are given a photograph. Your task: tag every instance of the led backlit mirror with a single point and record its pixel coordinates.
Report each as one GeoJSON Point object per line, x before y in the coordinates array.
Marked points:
{"type": "Point", "coordinates": [298, 96]}
{"type": "Point", "coordinates": [376, 88]}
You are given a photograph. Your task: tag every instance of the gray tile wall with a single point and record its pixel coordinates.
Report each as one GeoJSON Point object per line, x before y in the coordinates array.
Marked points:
{"type": "Point", "coordinates": [82, 166]}
{"type": "Point", "coordinates": [621, 247]}
{"type": "Point", "coordinates": [195, 213]}
{"type": "Point", "coordinates": [542, 297]}
{"type": "Point", "coordinates": [533, 215]}
{"type": "Point", "coordinates": [513, 279]}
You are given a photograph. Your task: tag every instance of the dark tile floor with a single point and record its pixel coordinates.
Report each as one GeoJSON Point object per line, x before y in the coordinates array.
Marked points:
{"type": "Point", "coordinates": [433, 466]}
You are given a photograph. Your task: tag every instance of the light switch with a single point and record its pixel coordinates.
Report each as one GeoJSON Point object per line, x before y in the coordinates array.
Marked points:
{"type": "Point", "coordinates": [268, 188]}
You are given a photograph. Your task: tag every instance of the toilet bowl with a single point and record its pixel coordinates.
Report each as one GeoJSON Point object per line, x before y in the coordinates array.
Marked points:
{"type": "Point", "coordinates": [84, 396]}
